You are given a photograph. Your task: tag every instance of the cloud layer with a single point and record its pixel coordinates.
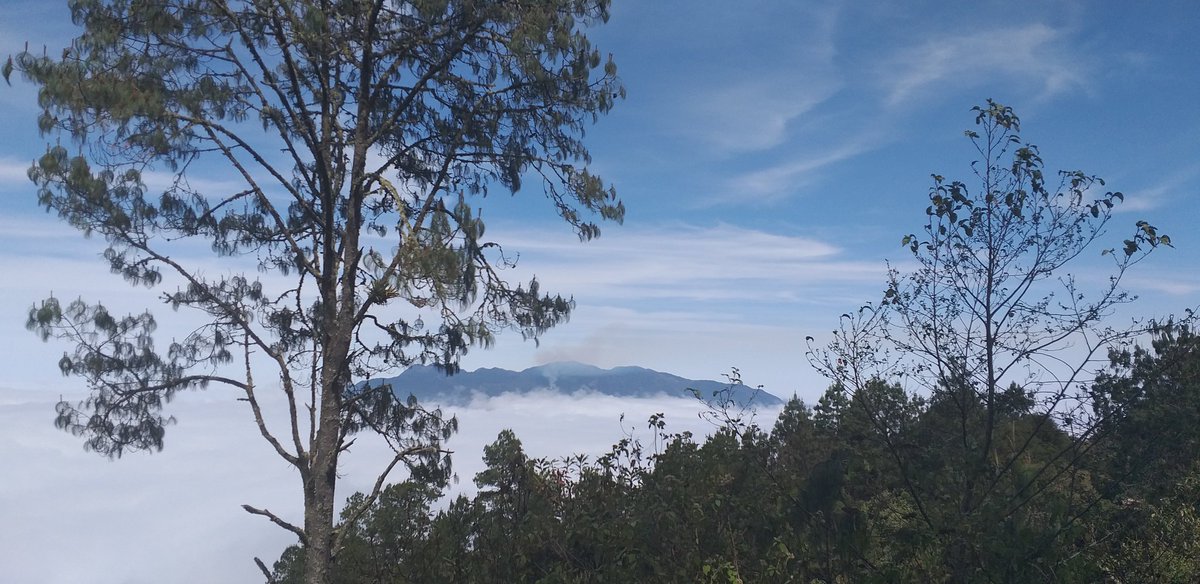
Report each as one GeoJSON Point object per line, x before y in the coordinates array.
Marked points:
{"type": "Point", "coordinates": [175, 516]}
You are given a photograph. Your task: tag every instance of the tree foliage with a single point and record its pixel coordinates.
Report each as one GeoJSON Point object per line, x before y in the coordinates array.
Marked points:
{"type": "Point", "coordinates": [357, 136]}
{"type": "Point", "coordinates": [1004, 342]}
{"type": "Point", "coordinates": [821, 497]}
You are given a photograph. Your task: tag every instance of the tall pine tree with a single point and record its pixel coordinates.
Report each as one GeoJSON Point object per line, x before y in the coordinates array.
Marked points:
{"type": "Point", "coordinates": [359, 133]}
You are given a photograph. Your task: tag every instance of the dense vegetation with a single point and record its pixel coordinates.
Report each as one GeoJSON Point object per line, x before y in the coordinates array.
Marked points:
{"type": "Point", "coordinates": [967, 435]}
{"type": "Point", "coordinates": [819, 498]}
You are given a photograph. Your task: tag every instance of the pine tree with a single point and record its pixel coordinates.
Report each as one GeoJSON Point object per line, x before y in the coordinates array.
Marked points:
{"type": "Point", "coordinates": [361, 133]}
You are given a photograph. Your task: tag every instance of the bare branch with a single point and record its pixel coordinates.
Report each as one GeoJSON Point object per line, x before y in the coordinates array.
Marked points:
{"type": "Point", "coordinates": [277, 521]}
{"type": "Point", "coordinates": [266, 573]}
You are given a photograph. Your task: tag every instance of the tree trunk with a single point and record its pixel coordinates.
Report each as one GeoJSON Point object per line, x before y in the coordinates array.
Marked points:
{"type": "Point", "coordinates": [318, 525]}
{"type": "Point", "coordinates": [321, 482]}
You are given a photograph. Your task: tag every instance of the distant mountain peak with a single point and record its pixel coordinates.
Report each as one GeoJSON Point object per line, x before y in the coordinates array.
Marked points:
{"type": "Point", "coordinates": [568, 377]}
{"type": "Point", "coordinates": [571, 368]}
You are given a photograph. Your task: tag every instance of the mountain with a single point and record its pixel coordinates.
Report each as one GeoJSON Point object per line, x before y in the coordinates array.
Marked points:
{"type": "Point", "coordinates": [430, 385]}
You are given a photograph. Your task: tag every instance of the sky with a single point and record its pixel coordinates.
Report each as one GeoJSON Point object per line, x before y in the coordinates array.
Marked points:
{"type": "Point", "coordinates": [771, 155]}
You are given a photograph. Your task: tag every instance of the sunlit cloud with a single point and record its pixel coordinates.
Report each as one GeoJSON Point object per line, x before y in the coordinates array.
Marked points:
{"type": "Point", "coordinates": [638, 291]}
{"type": "Point", "coordinates": [206, 185]}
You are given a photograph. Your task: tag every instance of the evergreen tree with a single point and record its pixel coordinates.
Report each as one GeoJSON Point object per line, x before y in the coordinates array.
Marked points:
{"type": "Point", "coordinates": [361, 133]}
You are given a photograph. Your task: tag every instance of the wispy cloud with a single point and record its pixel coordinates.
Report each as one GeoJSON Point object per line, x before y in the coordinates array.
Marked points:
{"type": "Point", "coordinates": [738, 106]}
{"type": "Point", "coordinates": [687, 262]}
{"type": "Point", "coordinates": [36, 230]}
{"type": "Point", "coordinates": [1160, 193]}
{"type": "Point", "coordinates": [637, 288]}
{"type": "Point", "coordinates": [775, 183]}
{"type": "Point", "coordinates": [755, 115]}
{"type": "Point", "coordinates": [740, 297]}
{"type": "Point", "coordinates": [1169, 286]}
{"type": "Point", "coordinates": [1034, 56]}
{"type": "Point", "coordinates": [14, 174]}
{"type": "Point", "coordinates": [610, 336]}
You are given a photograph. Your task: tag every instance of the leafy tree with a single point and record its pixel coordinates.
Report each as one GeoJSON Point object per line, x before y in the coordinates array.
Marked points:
{"type": "Point", "coordinates": [1087, 477]}
{"type": "Point", "coordinates": [1150, 540]}
{"type": "Point", "coordinates": [361, 132]}
{"type": "Point", "coordinates": [796, 444]}
{"type": "Point", "coordinates": [1147, 465]}
{"type": "Point", "coordinates": [1149, 405]}
{"type": "Point", "coordinates": [989, 307]}
{"type": "Point", "coordinates": [389, 542]}
{"type": "Point", "coordinates": [507, 532]}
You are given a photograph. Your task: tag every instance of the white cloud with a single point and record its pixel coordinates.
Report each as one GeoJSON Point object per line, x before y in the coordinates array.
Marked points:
{"type": "Point", "coordinates": [739, 106]}
{"type": "Point", "coordinates": [777, 182]}
{"type": "Point", "coordinates": [14, 175]}
{"type": "Point", "coordinates": [686, 262]}
{"type": "Point", "coordinates": [671, 295]}
{"type": "Point", "coordinates": [693, 301]}
{"type": "Point", "coordinates": [751, 116]}
{"type": "Point", "coordinates": [204, 184]}
{"type": "Point", "coordinates": [1033, 56]}
{"type": "Point", "coordinates": [678, 297]}
{"type": "Point", "coordinates": [72, 516]}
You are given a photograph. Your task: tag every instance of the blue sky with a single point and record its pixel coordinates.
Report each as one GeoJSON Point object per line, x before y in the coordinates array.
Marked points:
{"type": "Point", "coordinates": [771, 155]}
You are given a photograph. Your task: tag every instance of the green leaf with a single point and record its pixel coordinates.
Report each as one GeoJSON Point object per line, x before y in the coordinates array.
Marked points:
{"type": "Point", "coordinates": [7, 70]}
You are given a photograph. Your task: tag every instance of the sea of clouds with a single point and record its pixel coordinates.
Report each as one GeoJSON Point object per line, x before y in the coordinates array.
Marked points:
{"type": "Point", "coordinates": [73, 516]}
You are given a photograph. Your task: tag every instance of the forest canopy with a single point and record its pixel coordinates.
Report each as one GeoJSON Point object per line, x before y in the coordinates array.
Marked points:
{"type": "Point", "coordinates": [985, 422]}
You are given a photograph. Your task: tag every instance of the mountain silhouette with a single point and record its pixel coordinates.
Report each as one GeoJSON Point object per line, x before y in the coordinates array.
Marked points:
{"type": "Point", "coordinates": [429, 384]}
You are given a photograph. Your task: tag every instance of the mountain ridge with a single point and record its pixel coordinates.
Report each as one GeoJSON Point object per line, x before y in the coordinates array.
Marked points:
{"type": "Point", "coordinates": [429, 384]}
